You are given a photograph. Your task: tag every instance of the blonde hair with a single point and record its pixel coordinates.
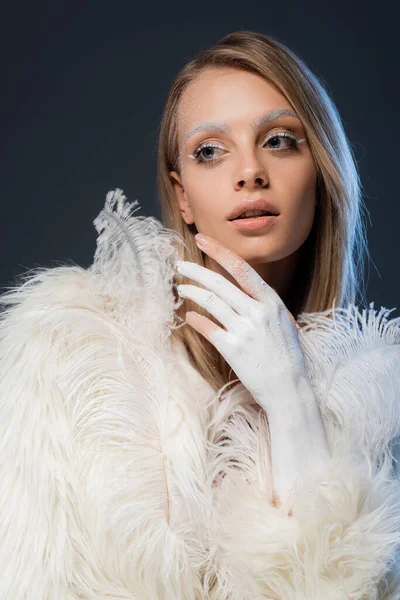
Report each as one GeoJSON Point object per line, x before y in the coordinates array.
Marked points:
{"type": "Point", "coordinates": [331, 264]}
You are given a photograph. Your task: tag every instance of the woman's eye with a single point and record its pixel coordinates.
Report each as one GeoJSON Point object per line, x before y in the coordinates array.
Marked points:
{"type": "Point", "coordinates": [205, 152]}
{"type": "Point", "coordinates": [278, 138]}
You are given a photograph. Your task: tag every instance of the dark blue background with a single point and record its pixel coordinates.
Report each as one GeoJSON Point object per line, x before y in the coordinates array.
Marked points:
{"type": "Point", "coordinates": [84, 85]}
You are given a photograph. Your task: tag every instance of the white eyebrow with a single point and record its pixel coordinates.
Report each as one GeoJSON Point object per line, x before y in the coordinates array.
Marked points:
{"type": "Point", "coordinates": [256, 124]}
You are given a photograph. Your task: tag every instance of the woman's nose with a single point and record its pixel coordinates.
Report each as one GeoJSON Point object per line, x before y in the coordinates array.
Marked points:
{"type": "Point", "coordinates": [252, 174]}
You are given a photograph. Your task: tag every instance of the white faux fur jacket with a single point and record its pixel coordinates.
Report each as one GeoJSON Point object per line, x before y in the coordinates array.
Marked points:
{"type": "Point", "coordinates": [124, 476]}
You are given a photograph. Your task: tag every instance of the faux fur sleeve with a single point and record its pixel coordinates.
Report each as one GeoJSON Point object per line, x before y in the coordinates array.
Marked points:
{"type": "Point", "coordinates": [43, 537]}
{"type": "Point", "coordinates": [102, 436]}
{"type": "Point", "coordinates": [338, 535]}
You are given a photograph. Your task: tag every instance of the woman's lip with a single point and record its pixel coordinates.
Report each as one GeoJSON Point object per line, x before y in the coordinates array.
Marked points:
{"type": "Point", "coordinates": [251, 223]}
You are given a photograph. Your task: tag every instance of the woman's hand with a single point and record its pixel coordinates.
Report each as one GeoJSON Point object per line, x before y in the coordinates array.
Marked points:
{"type": "Point", "coordinates": [260, 340]}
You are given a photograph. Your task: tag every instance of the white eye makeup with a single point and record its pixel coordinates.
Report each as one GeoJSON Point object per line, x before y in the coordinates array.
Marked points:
{"type": "Point", "coordinates": [284, 142]}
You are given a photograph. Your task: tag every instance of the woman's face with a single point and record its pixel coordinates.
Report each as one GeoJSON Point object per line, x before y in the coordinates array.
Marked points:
{"type": "Point", "coordinates": [237, 161]}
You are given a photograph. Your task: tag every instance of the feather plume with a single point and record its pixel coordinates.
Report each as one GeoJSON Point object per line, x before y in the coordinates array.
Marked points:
{"type": "Point", "coordinates": [134, 264]}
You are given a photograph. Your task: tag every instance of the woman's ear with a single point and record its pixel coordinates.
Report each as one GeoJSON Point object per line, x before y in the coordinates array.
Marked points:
{"type": "Point", "coordinates": [181, 197]}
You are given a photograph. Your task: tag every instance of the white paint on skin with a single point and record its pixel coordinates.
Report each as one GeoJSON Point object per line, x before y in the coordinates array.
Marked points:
{"type": "Point", "coordinates": [261, 345]}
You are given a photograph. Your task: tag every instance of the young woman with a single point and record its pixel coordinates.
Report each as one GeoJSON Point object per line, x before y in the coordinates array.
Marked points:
{"type": "Point", "coordinates": [131, 466]}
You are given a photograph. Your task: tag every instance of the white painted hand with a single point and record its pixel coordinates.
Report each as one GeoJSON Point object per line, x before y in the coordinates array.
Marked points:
{"type": "Point", "coordinates": [260, 340]}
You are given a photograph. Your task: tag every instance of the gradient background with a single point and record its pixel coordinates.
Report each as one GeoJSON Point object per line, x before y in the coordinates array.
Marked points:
{"type": "Point", "coordinates": [83, 89]}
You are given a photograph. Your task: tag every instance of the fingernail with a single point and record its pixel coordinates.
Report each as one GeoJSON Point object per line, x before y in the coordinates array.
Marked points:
{"type": "Point", "coordinates": [200, 239]}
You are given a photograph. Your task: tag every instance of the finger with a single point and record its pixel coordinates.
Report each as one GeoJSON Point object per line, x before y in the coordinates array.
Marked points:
{"type": "Point", "coordinates": [218, 284]}
{"type": "Point", "coordinates": [245, 275]}
{"type": "Point", "coordinates": [212, 303]}
{"type": "Point", "coordinates": [248, 279]}
{"type": "Point", "coordinates": [214, 334]}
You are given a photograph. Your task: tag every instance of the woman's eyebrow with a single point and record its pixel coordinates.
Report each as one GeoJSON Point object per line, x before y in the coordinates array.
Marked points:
{"type": "Point", "coordinates": [256, 124]}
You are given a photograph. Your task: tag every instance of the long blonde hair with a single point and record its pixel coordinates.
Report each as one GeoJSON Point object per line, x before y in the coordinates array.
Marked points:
{"type": "Point", "coordinates": [331, 265]}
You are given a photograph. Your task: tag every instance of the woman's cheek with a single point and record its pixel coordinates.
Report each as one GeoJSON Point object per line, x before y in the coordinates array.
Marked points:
{"type": "Point", "coordinates": [202, 186]}
{"type": "Point", "coordinates": [303, 222]}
